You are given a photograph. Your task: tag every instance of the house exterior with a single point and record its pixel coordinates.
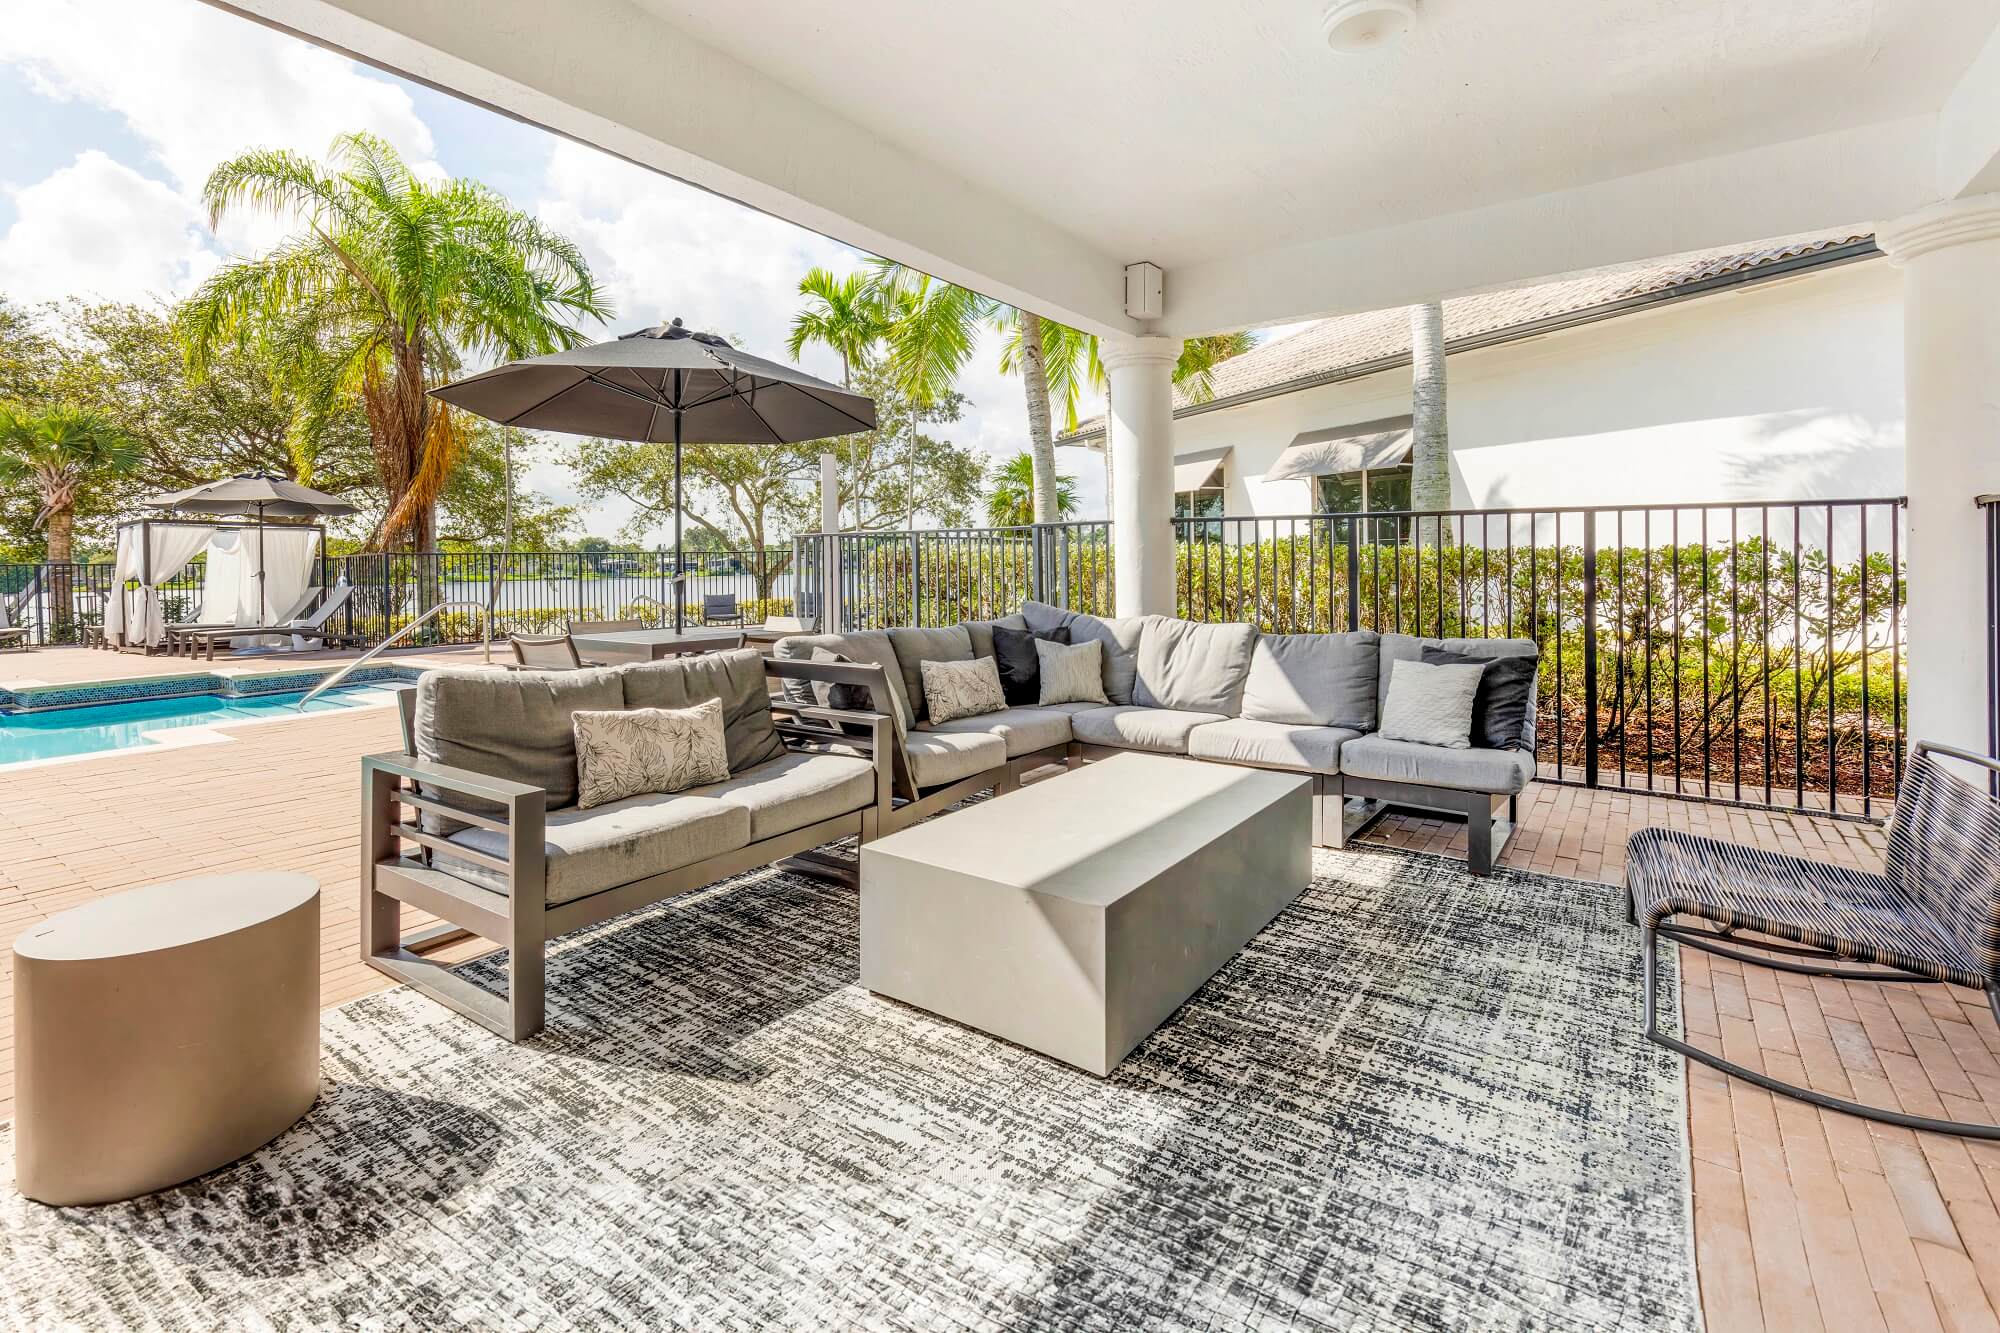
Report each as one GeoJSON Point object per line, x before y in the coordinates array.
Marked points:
{"type": "Point", "coordinates": [1741, 374]}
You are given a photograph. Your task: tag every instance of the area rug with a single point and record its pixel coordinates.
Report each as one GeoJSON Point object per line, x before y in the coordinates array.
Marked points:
{"type": "Point", "coordinates": [1417, 1100]}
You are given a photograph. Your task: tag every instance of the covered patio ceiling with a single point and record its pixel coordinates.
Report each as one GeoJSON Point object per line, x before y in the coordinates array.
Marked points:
{"type": "Point", "coordinates": [1033, 150]}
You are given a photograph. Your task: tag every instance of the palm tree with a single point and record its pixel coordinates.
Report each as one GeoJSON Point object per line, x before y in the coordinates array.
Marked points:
{"type": "Point", "coordinates": [845, 314]}
{"type": "Point", "coordinates": [60, 453]}
{"type": "Point", "coordinates": [1011, 502]}
{"type": "Point", "coordinates": [1430, 448]}
{"type": "Point", "coordinates": [388, 282]}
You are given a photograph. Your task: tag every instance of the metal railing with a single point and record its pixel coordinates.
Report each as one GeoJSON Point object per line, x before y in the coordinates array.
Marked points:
{"type": "Point", "coordinates": [940, 576]}
{"type": "Point", "coordinates": [1750, 653]}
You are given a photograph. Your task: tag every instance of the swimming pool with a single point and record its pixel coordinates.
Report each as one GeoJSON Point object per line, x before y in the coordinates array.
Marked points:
{"type": "Point", "coordinates": [94, 728]}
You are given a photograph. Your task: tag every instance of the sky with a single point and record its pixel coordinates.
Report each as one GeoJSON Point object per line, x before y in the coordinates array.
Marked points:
{"type": "Point", "coordinates": [116, 110]}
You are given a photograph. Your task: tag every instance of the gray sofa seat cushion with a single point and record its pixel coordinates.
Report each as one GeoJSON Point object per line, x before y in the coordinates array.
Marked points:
{"type": "Point", "coordinates": [939, 757]}
{"type": "Point", "coordinates": [1025, 730]}
{"type": "Point", "coordinates": [511, 724]}
{"type": "Point", "coordinates": [1159, 730]}
{"type": "Point", "coordinates": [981, 632]}
{"type": "Point", "coordinates": [1325, 680]}
{"type": "Point", "coordinates": [1120, 638]}
{"type": "Point", "coordinates": [1197, 668]}
{"type": "Point", "coordinates": [1286, 745]}
{"type": "Point", "coordinates": [737, 678]}
{"type": "Point", "coordinates": [1434, 766]}
{"type": "Point", "coordinates": [914, 647]}
{"type": "Point", "coordinates": [869, 645]}
{"type": "Point", "coordinates": [796, 790]}
{"type": "Point", "coordinates": [592, 850]}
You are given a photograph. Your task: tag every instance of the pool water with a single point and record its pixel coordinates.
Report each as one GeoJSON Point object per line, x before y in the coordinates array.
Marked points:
{"type": "Point", "coordinates": [122, 726]}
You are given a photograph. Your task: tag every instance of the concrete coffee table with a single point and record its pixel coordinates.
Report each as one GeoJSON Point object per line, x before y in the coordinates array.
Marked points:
{"type": "Point", "coordinates": [1075, 915]}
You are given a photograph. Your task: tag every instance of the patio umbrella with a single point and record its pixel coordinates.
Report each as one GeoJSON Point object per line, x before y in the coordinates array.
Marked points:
{"type": "Point", "coordinates": [659, 384]}
{"type": "Point", "coordinates": [254, 493]}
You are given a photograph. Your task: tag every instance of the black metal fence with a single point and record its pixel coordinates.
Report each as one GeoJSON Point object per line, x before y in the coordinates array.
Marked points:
{"type": "Point", "coordinates": [1741, 652]}
{"type": "Point", "coordinates": [945, 575]}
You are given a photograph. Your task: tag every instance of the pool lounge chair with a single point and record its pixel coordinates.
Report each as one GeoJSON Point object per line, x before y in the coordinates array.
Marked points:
{"type": "Point", "coordinates": [301, 629]}
{"type": "Point", "coordinates": [11, 637]}
{"type": "Point", "coordinates": [175, 632]}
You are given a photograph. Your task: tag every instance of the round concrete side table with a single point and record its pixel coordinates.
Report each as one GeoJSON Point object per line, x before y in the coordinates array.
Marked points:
{"type": "Point", "coordinates": [163, 1032]}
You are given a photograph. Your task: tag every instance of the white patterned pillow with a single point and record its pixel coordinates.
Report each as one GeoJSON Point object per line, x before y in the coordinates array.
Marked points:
{"type": "Point", "coordinates": [1072, 673]}
{"type": "Point", "coordinates": [962, 689]}
{"type": "Point", "coordinates": [634, 751]}
{"type": "Point", "coordinates": [1431, 704]}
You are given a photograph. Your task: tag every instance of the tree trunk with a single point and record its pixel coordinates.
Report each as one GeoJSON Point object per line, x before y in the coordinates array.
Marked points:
{"type": "Point", "coordinates": [62, 535]}
{"type": "Point", "coordinates": [1430, 454]}
{"type": "Point", "coordinates": [61, 590]}
{"type": "Point", "coordinates": [1041, 437]}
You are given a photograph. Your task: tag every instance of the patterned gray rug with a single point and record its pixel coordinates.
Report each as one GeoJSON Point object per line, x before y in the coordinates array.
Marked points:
{"type": "Point", "coordinates": [1418, 1100]}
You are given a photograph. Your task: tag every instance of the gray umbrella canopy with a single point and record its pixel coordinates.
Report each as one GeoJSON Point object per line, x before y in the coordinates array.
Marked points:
{"type": "Point", "coordinates": [660, 384]}
{"type": "Point", "coordinates": [257, 493]}
{"type": "Point", "coordinates": [643, 385]}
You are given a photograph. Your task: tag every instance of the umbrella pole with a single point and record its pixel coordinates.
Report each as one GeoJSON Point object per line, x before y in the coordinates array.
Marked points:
{"type": "Point", "coordinates": [263, 602]}
{"type": "Point", "coordinates": [680, 563]}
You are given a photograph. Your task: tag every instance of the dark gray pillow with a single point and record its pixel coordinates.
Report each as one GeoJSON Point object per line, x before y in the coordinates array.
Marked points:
{"type": "Point", "coordinates": [1503, 712]}
{"type": "Point", "coordinates": [1020, 665]}
{"type": "Point", "coordinates": [852, 698]}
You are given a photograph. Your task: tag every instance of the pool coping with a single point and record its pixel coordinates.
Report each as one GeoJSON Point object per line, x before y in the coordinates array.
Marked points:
{"type": "Point", "coordinates": [179, 738]}
{"type": "Point", "coordinates": [226, 683]}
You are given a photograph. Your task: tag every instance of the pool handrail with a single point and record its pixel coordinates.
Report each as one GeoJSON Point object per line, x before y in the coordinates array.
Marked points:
{"type": "Point", "coordinates": [347, 670]}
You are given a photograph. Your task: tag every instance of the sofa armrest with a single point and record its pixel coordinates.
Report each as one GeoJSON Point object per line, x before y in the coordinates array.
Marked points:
{"type": "Point", "coordinates": [389, 782]}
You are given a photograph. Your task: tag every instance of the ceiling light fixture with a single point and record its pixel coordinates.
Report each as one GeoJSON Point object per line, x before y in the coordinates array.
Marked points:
{"type": "Point", "coordinates": [1366, 25]}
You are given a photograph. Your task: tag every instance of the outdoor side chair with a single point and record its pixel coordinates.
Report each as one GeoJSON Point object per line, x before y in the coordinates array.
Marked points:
{"type": "Point", "coordinates": [720, 608]}
{"type": "Point", "coordinates": [546, 652]}
{"type": "Point", "coordinates": [1932, 915]}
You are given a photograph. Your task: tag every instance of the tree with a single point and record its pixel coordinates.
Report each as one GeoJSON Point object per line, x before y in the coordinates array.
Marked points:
{"type": "Point", "coordinates": [1010, 502]}
{"type": "Point", "coordinates": [64, 456]}
{"type": "Point", "coordinates": [27, 355]}
{"type": "Point", "coordinates": [390, 279]}
{"type": "Point", "coordinates": [845, 314]}
{"type": "Point", "coordinates": [1430, 449]}
{"type": "Point", "coordinates": [474, 509]}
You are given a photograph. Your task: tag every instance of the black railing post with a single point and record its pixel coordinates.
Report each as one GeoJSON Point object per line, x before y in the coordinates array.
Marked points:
{"type": "Point", "coordinates": [1589, 647]}
{"type": "Point", "coordinates": [1353, 575]}
{"type": "Point", "coordinates": [916, 579]}
{"type": "Point", "coordinates": [1991, 504]}
{"type": "Point", "coordinates": [1036, 583]}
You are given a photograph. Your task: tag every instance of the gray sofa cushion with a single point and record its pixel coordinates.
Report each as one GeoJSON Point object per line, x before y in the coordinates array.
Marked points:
{"type": "Point", "coordinates": [1431, 704]}
{"type": "Point", "coordinates": [868, 645]}
{"type": "Point", "coordinates": [982, 632]}
{"type": "Point", "coordinates": [796, 790]}
{"type": "Point", "coordinates": [1198, 668]}
{"type": "Point", "coordinates": [1023, 729]}
{"type": "Point", "coordinates": [914, 647]}
{"type": "Point", "coordinates": [1287, 745]}
{"type": "Point", "coordinates": [1120, 638]}
{"type": "Point", "coordinates": [1160, 730]}
{"type": "Point", "coordinates": [737, 678]}
{"type": "Point", "coordinates": [939, 757]}
{"type": "Point", "coordinates": [1326, 680]}
{"type": "Point", "coordinates": [590, 851]}
{"type": "Point", "coordinates": [511, 724]}
{"type": "Point", "coordinates": [1433, 766]}
{"type": "Point", "coordinates": [1409, 648]}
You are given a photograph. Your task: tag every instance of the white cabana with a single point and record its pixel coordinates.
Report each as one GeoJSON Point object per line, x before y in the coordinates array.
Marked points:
{"type": "Point", "coordinates": [248, 568]}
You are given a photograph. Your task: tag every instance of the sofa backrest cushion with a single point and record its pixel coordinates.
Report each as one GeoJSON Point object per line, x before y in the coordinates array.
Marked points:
{"type": "Point", "coordinates": [1409, 648]}
{"type": "Point", "coordinates": [1197, 668]}
{"type": "Point", "coordinates": [866, 645]}
{"type": "Point", "coordinates": [512, 724]}
{"type": "Point", "coordinates": [982, 633]}
{"type": "Point", "coordinates": [735, 677]}
{"type": "Point", "coordinates": [1120, 637]}
{"type": "Point", "coordinates": [914, 647]}
{"type": "Point", "coordinates": [1315, 680]}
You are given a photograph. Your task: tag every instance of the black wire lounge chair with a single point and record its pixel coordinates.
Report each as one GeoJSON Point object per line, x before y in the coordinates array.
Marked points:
{"type": "Point", "coordinates": [1933, 915]}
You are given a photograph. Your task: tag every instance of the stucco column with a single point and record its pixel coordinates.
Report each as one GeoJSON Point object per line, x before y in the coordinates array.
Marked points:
{"type": "Point", "coordinates": [1141, 440]}
{"type": "Point", "coordinates": [1950, 257]}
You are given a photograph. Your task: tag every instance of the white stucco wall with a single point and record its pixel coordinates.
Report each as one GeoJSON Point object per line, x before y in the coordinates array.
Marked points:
{"type": "Point", "coordinates": [1784, 390]}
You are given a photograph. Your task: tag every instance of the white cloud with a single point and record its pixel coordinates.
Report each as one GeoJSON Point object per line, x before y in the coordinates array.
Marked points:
{"type": "Point", "coordinates": [97, 228]}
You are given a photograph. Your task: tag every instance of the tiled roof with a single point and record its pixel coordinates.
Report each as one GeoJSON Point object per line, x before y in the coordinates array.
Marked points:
{"type": "Point", "coordinates": [1320, 352]}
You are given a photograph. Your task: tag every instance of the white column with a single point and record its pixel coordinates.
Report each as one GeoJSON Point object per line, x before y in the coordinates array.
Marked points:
{"type": "Point", "coordinates": [1950, 257]}
{"type": "Point", "coordinates": [829, 546]}
{"type": "Point", "coordinates": [1141, 440]}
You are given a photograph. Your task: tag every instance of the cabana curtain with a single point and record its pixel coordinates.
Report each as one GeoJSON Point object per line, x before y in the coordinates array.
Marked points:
{"type": "Point", "coordinates": [288, 567]}
{"type": "Point", "coordinates": [151, 553]}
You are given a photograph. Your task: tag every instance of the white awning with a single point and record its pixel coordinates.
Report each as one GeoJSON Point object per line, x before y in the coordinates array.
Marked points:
{"type": "Point", "coordinates": [1342, 449]}
{"type": "Point", "coordinates": [1198, 471]}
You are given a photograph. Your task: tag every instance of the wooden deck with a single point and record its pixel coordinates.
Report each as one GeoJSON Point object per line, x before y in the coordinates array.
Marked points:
{"type": "Point", "coordinates": [1803, 1219]}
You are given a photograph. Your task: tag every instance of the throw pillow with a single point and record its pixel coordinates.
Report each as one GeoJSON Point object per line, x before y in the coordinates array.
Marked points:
{"type": "Point", "coordinates": [638, 750]}
{"type": "Point", "coordinates": [1020, 665]}
{"type": "Point", "coordinates": [1503, 712]}
{"type": "Point", "coordinates": [1071, 673]}
{"type": "Point", "coordinates": [853, 698]}
{"type": "Point", "coordinates": [962, 689]}
{"type": "Point", "coordinates": [1431, 705]}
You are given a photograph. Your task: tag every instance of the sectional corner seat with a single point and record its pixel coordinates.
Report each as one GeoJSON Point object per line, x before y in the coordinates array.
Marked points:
{"type": "Point", "coordinates": [1299, 703]}
{"type": "Point", "coordinates": [477, 822]}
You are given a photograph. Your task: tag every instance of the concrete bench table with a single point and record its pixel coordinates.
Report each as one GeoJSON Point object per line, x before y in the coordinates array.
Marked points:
{"type": "Point", "coordinates": [163, 1032]}
{"type": "Point", "coordinates": [1075, 915]}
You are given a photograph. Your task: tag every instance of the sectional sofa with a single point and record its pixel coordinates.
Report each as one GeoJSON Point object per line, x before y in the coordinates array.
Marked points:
{"type": "Point", "coordinates": [1303, 703]}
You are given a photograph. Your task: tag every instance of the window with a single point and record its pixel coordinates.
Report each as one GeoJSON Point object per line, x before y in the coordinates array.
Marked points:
{"type": "Point", "coordinates": [1203, 503]}
{"type": "Point", "coordinates": [1367, 491]}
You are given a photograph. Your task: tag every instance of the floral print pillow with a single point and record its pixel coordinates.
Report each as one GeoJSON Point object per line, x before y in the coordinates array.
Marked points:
{"type": "Point", "coordinates": [634, 751]}
{"type": "Point", "coordinates": [962, 689]}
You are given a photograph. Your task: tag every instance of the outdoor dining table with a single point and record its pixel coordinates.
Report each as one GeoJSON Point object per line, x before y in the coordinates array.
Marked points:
{"type": "Point", "coordinates": [650, 645]}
